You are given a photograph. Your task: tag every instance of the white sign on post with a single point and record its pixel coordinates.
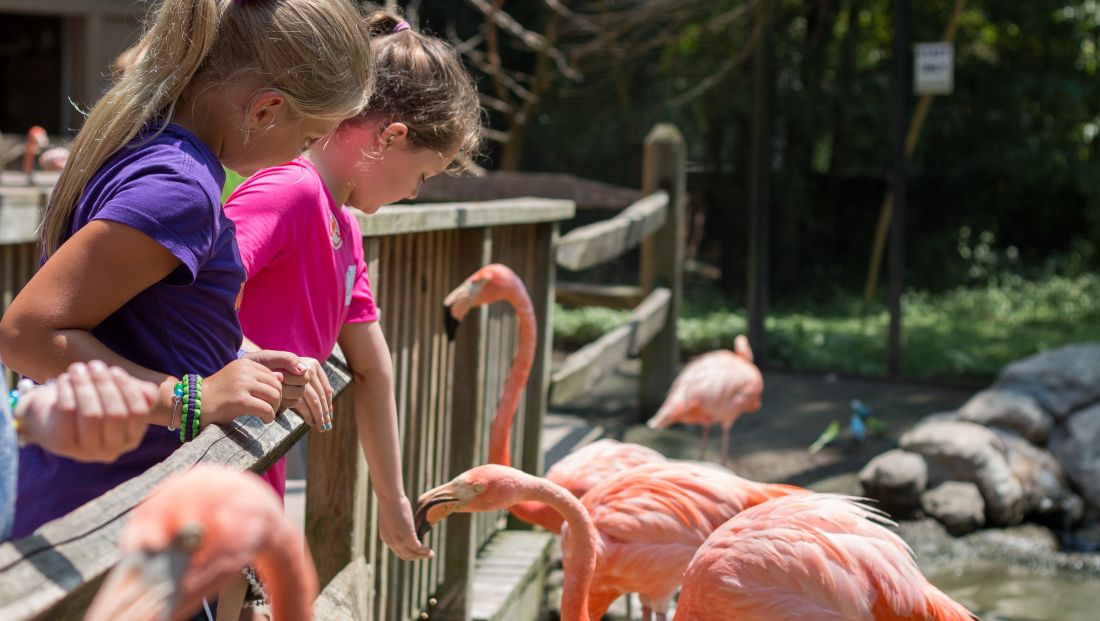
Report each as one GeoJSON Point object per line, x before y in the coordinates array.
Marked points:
{"type": "Point", "coordinates": [934, 68]}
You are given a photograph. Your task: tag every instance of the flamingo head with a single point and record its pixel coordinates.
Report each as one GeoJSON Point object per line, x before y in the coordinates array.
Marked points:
{"type": "Point", "coordinates": [492, 283]}
{"type": "Point", "coordinates": [481, 489]}
{"type": "Point", "coordinates": [188, 537]}
{"type": "Point", "coordinates": [36, 137]}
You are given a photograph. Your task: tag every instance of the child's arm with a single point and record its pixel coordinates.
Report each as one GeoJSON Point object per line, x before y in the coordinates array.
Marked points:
{"type": "Point", "coordinates": [376, 414]}
{"type": "Point", "coordinates": [105, 264]}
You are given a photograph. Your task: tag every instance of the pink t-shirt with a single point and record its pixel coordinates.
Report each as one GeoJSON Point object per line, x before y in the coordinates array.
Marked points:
{"type": "Point", "coordinates": [303, 255]}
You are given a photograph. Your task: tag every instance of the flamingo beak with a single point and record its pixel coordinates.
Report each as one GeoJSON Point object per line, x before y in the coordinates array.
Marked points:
{"type": "Point", "coordinates": [458, 303]}
{"type": "Point", "coordinates": [142, 580]}
{"type": "Point", "coordinates": [146, 583]}
{"type": "Point", "coordinates": [425, 518]}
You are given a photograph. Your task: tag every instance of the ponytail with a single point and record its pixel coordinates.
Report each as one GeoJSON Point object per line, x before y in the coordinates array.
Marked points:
{"type": "Point", "coordinates": [313, 52]}
{"type": "Point", "coordinates": [179, 39]}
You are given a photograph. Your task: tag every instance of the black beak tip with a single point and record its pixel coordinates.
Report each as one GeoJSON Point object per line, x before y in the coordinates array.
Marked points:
{"type": "Point", "coordinates": [450, 324]}
{"type": "Point", "coordinates": [422, 529]}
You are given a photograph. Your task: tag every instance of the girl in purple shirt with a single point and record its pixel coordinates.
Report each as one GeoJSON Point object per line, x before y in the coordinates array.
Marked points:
{"type": "Point", "coordinates": [142, 269]}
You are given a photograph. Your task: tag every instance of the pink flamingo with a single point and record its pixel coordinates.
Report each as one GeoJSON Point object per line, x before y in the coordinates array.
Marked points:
{"type": "Point", "coordinates": [816, 556]}
{"type": "Point", "coordinates": [856, 577]}
{"type": "Point", "coordinates": [36, 141]}
{"type": "Point", "coordinates": [192, 534]}
{"type": "Point", "coordinates": [650, 521]}
{"type": "Point", "coordinates": [581, 469]}
{"type": "Point", "coordinates": [717, 387]}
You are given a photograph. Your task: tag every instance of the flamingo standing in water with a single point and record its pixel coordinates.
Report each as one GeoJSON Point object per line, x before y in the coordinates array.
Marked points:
{"type": "Point", "coordinates": [824, 559]}
{"type": "Point", "coordinates": [195, 532]}
{"type": "Point", "coordinates": [580, 470]}
{"type": "Point", "coordinates": [717, 387]}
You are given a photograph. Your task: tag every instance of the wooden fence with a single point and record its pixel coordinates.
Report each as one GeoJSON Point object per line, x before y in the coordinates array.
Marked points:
{"type": "Point", "coordinates": [446, 394]}
{"type": "Point", "coordinates": [657, 223]}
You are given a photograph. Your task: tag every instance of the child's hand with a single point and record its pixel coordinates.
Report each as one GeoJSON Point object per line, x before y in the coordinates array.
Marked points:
{"type": "Point", "coordinates": [395, 527]}
{"type": "Point", "coordinates": [242, 388]}
{"type": "Point", "coordinates": [91, 413]}
{"type": "Point", "coordinates": [305, 386]}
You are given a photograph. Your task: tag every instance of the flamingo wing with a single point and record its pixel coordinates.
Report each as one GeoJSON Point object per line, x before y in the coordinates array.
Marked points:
{"type": "Point", "coordinates": [593, 463]}
{"type": "Point", "coordinates": [810, 556]}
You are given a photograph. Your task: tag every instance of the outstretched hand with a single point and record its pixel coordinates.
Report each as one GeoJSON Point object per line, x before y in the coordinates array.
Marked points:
{"type": "Point", "coordinates": [92, 412]}
{"type": "Point", "coordinates": [395, 527]}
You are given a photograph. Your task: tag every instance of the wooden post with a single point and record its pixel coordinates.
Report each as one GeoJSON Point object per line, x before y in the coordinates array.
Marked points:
{"type": "Point", "coordinates": [468, 403]}
{"type": "Point", "coordinates": [337, 494]}
{"type": "Point", "coordinates": [664, 167]}
{"type": "Point", "coordinates": [541, 289]}
{"type": "Point", "coordinates": [760, 189]}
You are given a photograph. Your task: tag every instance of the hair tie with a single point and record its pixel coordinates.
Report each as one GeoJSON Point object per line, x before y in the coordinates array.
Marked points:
{"type": "Point", "coordinates": [402, 25]}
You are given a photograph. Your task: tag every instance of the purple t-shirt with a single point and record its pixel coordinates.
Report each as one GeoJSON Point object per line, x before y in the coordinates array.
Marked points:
{"type": "Point", "coordinates": [169, 188]}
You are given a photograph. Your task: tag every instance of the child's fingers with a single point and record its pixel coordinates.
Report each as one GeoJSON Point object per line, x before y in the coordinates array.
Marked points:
{"type": "Point", "coordinates": [115, 424]}
{"type": "Point", "coordinates": [311, 401]}
{"type": "Point", "coordinates": [259, 408]}
{"type": "Point", "coordinates": [139, 397]}
{"type": "Point", "coordinates": [282, 360]}
{"type": "Point", "coordinates": [66, 395]}
{"type": "Point", "coordinates": [89, 414]}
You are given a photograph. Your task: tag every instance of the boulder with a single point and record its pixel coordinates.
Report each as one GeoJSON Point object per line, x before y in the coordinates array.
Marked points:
{"type": "Point", "coordinates": [1061, 380]}
{"type": "Point", "coordinates": [956, 505]}
{"type": "Point", "coordinates": [895, 479]}
{"type": "Point", "coordinates": [962, 451]}
{"type": "Point", "coordinates": [1076, 445]}
{"type": "Point", "coordinates": [1047, 496]}
{"type": "Point", "coordinates": [1009, 409]}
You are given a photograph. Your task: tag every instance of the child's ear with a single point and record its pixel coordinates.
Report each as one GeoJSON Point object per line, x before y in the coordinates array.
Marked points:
{"type": "Point", "coordinates": [394, 132]}
{"type": "Point", "coordinates": [265, 109]}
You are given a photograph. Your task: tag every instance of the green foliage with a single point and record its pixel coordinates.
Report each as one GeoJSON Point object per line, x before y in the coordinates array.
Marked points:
{"type": "Point", "coordinates": [965, 332]}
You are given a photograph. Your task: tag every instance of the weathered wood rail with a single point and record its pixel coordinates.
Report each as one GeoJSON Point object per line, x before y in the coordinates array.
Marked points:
{"type": "Point", "coordinates": [656, 222]}
{"type": "Point", "coordinates": [446, 393]}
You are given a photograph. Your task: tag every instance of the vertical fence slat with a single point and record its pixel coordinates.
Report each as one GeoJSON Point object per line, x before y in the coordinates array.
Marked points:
{"type": "Point", "coordinates": [541, 285]}
{"type": "Point", "coordinates": [468, 374]}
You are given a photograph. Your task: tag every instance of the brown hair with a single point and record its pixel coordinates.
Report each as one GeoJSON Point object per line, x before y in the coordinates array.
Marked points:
{"type": "Point", "coordinates": [419, 80]}
{"type": "Point", "coordinates": [311, 51]}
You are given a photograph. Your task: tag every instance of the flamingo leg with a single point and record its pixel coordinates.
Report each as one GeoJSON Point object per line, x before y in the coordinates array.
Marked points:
{"type": "Point", "coordinates": [726, 445]}
{"type": "Point", "coordinates": [703, 443]}
{"type": "Point", "coordinates": [647, 613]}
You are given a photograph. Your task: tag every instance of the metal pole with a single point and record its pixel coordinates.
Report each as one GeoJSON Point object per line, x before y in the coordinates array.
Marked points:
{"type": "Point", "coordinates": [898, 179]}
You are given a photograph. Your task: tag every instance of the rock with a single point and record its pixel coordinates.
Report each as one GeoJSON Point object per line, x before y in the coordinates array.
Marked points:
{"type": "Point", "coordinates": [896, 479]}
{"type": "Point", "coordinates": [962, 451]}
{"type": "Point", "coordinates": [1047, 497]}
{"type": "Point", "coordinates": [1076, 445]}
{"type": "Point", "coordinates": [1061, 380]}
{"type": "Point", "coordinates": [1009, 409]}
{"type": "Point", "coordinates": [957, 505]}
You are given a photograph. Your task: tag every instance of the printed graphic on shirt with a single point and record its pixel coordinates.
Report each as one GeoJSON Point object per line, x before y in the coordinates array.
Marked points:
{"type": "Point", "coordinates": [349, 282]}
{"type": "Point", "coordinates": [334, 231]}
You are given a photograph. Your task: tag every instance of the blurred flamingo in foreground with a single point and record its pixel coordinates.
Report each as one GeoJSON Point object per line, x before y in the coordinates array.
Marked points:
{"type": "Point", "coordinates": [717, 387]}
{"type": "Point", "coordinates": [803, 557]}
{"type": "Point", "coordinates": [581, 469]}
{"type": "Point", "coordinates": [192, 534]}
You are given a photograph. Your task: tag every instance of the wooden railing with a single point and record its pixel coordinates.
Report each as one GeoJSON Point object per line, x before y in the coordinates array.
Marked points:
{"type": "Point", "coordinates": [655, 222]}
{"type": "Point", "coordinates": [446, 393]}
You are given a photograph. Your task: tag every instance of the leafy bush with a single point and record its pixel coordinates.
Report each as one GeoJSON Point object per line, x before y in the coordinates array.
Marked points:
{"type": "Point", "coordinates": [964, 332]}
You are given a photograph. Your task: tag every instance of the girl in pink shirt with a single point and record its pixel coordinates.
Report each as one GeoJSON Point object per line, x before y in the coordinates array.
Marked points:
{"type": "Point", "coordinates": [302, 250]}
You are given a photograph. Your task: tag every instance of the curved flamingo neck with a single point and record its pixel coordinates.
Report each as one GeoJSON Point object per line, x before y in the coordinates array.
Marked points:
{"type": "Point", "coordinates": [538, 514]}
{"type": "Point", "coordinates": [500, 432]}
{"type": "Point", "coordinates": [580, 559]}
{"type": "Point", "coordinates": [285, 567]}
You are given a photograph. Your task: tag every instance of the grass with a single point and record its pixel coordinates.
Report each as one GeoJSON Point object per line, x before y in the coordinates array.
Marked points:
{"type": "Point", "coordinates": [966, 332]}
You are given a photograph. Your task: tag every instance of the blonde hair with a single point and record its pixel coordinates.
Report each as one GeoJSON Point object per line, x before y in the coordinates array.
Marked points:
{"type": "Point", "coordinates": [419, 80]}
{"type": "Point", "coordinates": [313, 52]}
